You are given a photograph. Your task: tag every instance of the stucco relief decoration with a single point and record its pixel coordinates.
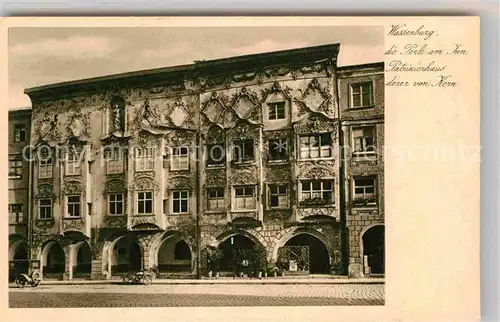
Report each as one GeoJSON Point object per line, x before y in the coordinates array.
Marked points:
{"type": "Point", "coordinates": [244, 215]}
{"type": "Point", "coordinates": [303, 213]}
{"type": "Point", "coordinates": [315, 123]}
{"type": "Point", "coordinates": [72, 187]}
{"type": "Point", "coordinates": [246, 105]}
{"type": "Point", "coordinates": [317, 173]}
{"type": "Point", "coordinates": [115, 221]}
{"type": "Point", "coordinates": [72, 224]}
{"type": "Point", "coordinates": [215, 134]}
{"type": "Point", "coordinates": [317, 99]}
{"type": "Point", "coordinates": [215, 177]}
{"type": "Point", "coordinates": [244, 130]}
{"type": "Point", "coordinates": [313, 68]}
{"type": "Point", "coordinates": [180, 182]}
{"type": "Point", "coordinates": [244, 77]}
{"type": "Point", "coordinates": [47, 129]}
{"type": "Point", "coordinates": [103, 99]}
{"type": "Point", "coordinates": [179, 114]}
{"type": "Point", "coordinates": [180, 138]}
{"type": "Point", "coordinates": [144, 183]}
{"type": "Point", "coordinates": [115, 185]}
{"type": "Point", "coordinates": [143, 220]}
{"type": "Point", "coordinates": [217, 112]}
{"type": "Point", "coordinates": [45, 191]}
{"type": "Point", "coordinates": [78, 125]}
{"type": "Point", "coordinates": [243, 176]}
{"type": "Point", "coordinates": [276, 89]}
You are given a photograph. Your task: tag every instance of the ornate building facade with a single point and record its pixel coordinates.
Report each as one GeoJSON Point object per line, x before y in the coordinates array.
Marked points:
{"type": "Point", "coordinates": [146, 170]}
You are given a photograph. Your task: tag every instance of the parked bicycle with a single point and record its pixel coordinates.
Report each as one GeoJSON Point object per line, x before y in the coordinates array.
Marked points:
{"type": "Point", "coordinates": [141, 277]}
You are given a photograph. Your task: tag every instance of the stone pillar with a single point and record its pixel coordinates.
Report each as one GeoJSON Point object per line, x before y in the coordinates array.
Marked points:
{"type": "Point", "coordinates": [68, 263]}
{"type": "Point", "coordinates": [97, 270]}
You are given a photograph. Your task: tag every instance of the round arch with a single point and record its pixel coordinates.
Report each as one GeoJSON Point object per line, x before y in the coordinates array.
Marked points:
{"type": "Point", "coordinates": [18, 259]}
{"type": "Point", "coordinates": [286, 237]}
{"type": "Point", "coordinates": [52, 259]}
{"type": "Point", "coordinates": [125, 254]}
{"type": "Point", "coordinates": [235, 243]}
{"type": "Point", "coordinates": [82, 259]}
{"type": "Point", "coordinates": [372, 248]}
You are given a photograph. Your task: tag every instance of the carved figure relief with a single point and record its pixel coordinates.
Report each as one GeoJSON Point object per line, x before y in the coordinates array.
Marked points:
{"type": "Point", "coordinates": [47, 129]}
{"type": "Point", "coordinates": [180, 182]}
{"type": "Point", "coordinates": [78, 125]}
{"type": "Point", "coordinates": [72, 187]}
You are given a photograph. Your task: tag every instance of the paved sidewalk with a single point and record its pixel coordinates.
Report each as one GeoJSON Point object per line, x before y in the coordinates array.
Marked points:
{"type": "Point", "coordinates": [285, 280]}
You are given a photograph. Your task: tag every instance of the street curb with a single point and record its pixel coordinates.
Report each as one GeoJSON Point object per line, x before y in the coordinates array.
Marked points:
{"type": "Point", "coordinates": [219, 282]}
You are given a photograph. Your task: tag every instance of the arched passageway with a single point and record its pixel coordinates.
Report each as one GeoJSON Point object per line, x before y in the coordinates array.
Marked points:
{"type": "Point", "coordinates": [126, 256]}
{"type": "Point", "coordinates": [82, 261]}
{"type": "Point", "coordinates": [236, 252]}
{"type": "Point", "coordinates": [174, 255]}
{"type": "Point", "coordinates": [319, 259]}
{"type": "Point", "coordinates": [19, 263]}
{"type": "Point", "coordinates": [374, 250]}
{"type": "Point", "coordinates": [53, 260]}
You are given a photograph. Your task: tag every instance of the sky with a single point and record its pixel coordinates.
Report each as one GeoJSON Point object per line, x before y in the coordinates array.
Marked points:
{"type": "Point", "coordinates": [41, 56]}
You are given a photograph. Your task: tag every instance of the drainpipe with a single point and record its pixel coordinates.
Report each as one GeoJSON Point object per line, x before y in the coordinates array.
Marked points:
{"type": "Point", "coordinates": [342, 211]}
{"type": "Point", "coordinates": [198, 189]}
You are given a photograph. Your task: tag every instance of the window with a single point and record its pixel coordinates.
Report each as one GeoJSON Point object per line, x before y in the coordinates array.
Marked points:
{"type": "Point", "coordinates": [114, 160]}
{"type": "Point", "coordinates": [180, 158]}
{"type": "Point", "coordinates": [73, 206]}
{"type": "Point", "coordinates": [244, 197]}
{"type": "Point", "coordinates": [45, 208]}
{"type": "Point", "coordinates": [115, 204]}
{"type": "Point", "coordinates": [316, 146]}
{"type": "Point", "coordinates": [361, 94]}
{"type": "Point", "coordinates": [145, 203]}
{"type": "Point", "coordinates": [216, 154]}
{"type": "Point", "coordinates": [363, 140]}
{"type": "Point", "coordinates": [19, 133]}
{"type": "Point", "coordinates": [180, 201]}
{"type": "Point", "coordinates": [73, 164]}
{"type": "Point", "coordinates": [276, 110]}
{"type": "Point", "coordinates": [144, 161]}
{"type": "Point", "coordinates": [16, 215]}
{"type": "Point", "coordinates": [278, 149]}
{"type": "Point", "coordinates": [278, 196]}
{"type": "Point", "coordinates": [216, 199]}
{"type": "Point", "coordinates": [45, 168]}
{"type": "Point", "coordinates": [243, 151]}
{"type": "Point", "coordinates": [364, 189]}
{"type": "Point", "coordinates": [15, 167]}
{"type": "Point", "coordinates": [317, 191]}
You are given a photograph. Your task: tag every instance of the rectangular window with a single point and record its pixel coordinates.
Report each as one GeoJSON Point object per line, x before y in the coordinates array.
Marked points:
{"type": "Point", "coordinates": [216, 154]}
{"type": "Point", "coordinates": [278, 149]}
{"type": "Point", "coordinates": [19, 133]}
{"type": "Point", "coordinates": [216, 199]}
{"type": "Point", "coordinates": [361, 94]}
{"type": "Point", "coordinates": [45, 168]}
{"type": "Point", "coordinates": [144, 159]}
{"type": "Point", "coordinates": [15, 167]}
{"type": "Point", "coordinates": [276, 110]}
{"type": "Point", "coordinates": [45, 208]}
{"type": "Point", "coordinates": [278, 196]}
{"type": "Point", "coordinates": [180, 158]}
{"type": "Point", "coordinates": [73, 206]}
{"type": "Point", "coordinates": [317, 191]}
{"type": "Point", "coordinates": [243, 151]}
{"type": "Point", "coordinates": [363, 140]}
{"type": "Point", "coordinates": [316, 146]}
{"type": "Point", "coordinates": [115, 204]}
{"type": "Point", "coordinates": [16, 215]}
{"type": "Point", "coordinates": [145, 203]}
{"type": "Point", "coordinates": [114, 160]}
{"type": "Point", "coordinates": [73, 163]}
{"type": "Point", "coordinates": [180, 200]}
{"type": "Point", "coordinates": [244, 197]}
{"type": "Point", "coordinates": [364, 189]}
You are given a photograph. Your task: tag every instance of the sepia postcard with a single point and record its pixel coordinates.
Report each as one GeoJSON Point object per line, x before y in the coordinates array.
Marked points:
{"type": "Point", "coordinates": [230, 168]}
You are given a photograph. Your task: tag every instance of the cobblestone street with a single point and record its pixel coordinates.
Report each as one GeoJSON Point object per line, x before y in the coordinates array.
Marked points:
{"type": "Point", "coordinates": [195, 295]}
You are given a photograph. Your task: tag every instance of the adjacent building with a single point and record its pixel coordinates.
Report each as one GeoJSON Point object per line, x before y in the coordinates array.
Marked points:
{"type": "Point", "coordinates": [148, 170]}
